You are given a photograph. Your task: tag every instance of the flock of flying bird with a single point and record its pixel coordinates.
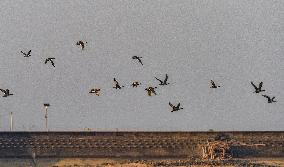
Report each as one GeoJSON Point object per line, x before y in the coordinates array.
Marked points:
{"type": "Point", "coordinates": [150, 90]}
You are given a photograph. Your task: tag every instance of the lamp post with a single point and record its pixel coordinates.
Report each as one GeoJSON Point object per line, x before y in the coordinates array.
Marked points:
{"type": "Point", "coordinates": [11, 121]}
{"type": "Point", "coordinates": [46, 105]}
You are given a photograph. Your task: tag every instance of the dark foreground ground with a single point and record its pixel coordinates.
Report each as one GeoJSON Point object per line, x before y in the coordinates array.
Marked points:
{"type": "Point", "coordinates": [140, 149]}
{"type": "Point", "coordinates": [136, 144]}
{"type": "Point", "coordinates": [117, 162]}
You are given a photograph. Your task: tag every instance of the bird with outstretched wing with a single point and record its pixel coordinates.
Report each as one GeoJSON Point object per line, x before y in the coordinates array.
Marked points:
{"type": "Point", "coordinates": [213, 85]}
{"type": "Point", "coordinates": [138, 58]}
{"type": "Point", "coordinates": [6, 92]}
{"type": "Point", "coordinates": [51, 61]}
{"type": "Point", "coordinates": [164, 82]}
{"type": "Point", "coordinates": [269, 99]}
{"type": "Point", "coordinates": [257, 89]}
{"type": "Point", "coordinates": [26, 54]}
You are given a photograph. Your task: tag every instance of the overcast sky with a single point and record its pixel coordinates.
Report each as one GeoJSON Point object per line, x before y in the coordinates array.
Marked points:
{"type": "Point", "coordinates": [229, 41]}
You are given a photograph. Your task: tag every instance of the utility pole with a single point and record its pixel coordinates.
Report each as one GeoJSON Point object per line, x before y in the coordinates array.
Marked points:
{"type": "Point", "coordinates": [11, 121]}
{"type": "Point", "coordinates": [46, 105]}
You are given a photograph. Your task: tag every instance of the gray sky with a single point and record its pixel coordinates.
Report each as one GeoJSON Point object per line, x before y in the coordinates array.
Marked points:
{"type": "Point", "coordinates": [232, 42]}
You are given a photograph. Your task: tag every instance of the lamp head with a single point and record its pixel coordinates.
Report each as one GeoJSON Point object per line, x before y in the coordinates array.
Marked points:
{"type": "Point", "coordinates": [46, 104]}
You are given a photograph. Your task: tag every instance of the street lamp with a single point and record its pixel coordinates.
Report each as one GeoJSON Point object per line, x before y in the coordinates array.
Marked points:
{"type": "Point", "coordinates": [46, 105]}
{"type": "Point", "coordinates": [11, 121]}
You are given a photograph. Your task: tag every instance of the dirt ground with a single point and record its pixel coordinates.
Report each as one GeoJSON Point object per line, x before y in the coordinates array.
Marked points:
{"type": "Point", "coordinates": [103, 162]}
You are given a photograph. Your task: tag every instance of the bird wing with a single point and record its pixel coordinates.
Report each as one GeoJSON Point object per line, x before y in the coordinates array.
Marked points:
{"type": "Point", "coordinates": [273, 98]}
{"type": "Point", "coordinates": [213, 83]}
{"type": "Point", "coordinates": [166, 79]}
{"type": "Point", "coordinates": [171, 104]}
{"type": "Point", "coordinates": [4, 91]}
{"type": "Point", "coordinates": [46, 60]}
{"type": "Point", "coordinates": [52, 63]}
{"type": "Point", "coordinates": [83, 45]}
{"type": "Point", "coordinates": [253, 85]}
{"type": "Point", "coordinates": [23, 53]}
{"type": "Point", "coordinates": [29, 52]}
{"type": "Point", "coordinates": [140, 61]}
{"type": "Point", "coordinates": [134, 57]}
{"type": "Point", "coordinates": [260, 84]}
{"type": "Point", "coordinates": [159, 80]}
{"type": "Point", "coordinates": [178, 105]}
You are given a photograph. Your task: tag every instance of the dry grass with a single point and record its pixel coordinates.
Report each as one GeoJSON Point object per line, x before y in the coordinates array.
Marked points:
{"type": "Point", "coordinates": [104, 162]}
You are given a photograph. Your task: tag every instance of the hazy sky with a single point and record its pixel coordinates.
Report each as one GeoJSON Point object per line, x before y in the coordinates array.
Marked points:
{"type": "Point", "coordinates": [230, 41]}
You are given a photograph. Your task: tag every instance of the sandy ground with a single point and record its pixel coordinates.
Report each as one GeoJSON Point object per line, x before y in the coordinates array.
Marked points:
{"type": "Point", "coordinates": [103, 162]}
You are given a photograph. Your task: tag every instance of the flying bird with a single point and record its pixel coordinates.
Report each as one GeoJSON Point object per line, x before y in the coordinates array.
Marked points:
{"type": "Point", "coordinates": [117, 85]}
{"type": "Point", "coordinates": [213, 85]}
{"type": "Point", "coordinates": [151, 90]}
{"type": "Point", "coordinates": [135, 84]}
{"type": "Point", "coordinates": [6, 92]}
{"type": "Point", "coordinates": [269, 99]}
{"type": "Point", "coordinates": [51, 61]}
{"type": "Point", "coordinates": [26, 54]}
{"type": "Point", "coordinates": [81, 43]}
{"type": "Point", "coordinates": [164, 82]}
{"type": "Point", "coordinates": [257, 89]}
{"type": "Point", "coordinates": [95, 91]}
{"type": "Point", "coordinates": [138, 58]}
{"type": "Point", "coordinates": [175, 108]}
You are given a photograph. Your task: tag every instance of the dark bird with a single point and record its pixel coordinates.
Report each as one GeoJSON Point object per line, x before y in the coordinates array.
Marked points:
{"type": "Point", "coordinates": [163, 82]}
{"type": "Point", "coordinates": [6, 92]}
{"type": "Point", "coordinates": [26, 54]}
{"type": "Point", "coordinates": [117, 85]}
{"type": "Point", "coordinates": [269, 99]}
{"type": "Point", "coordinates": [82, 44]}
{"type": "Point", "coordinates": [257, 89]}
{"type": "Point", "coordinates": [151, 90]}
{"type": "Point", "coordinates": [213, 85]}
{"type": "Point", "coordinates": [175, 108]}
{"type": "Point", "coordinates": [95, 91]}
{"type": "Point", "coordinates": [138, 58]}
{"type": "Point", "coordinates": [51, 60]}
{"type": "Point", "coordinates": [135, 84]}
